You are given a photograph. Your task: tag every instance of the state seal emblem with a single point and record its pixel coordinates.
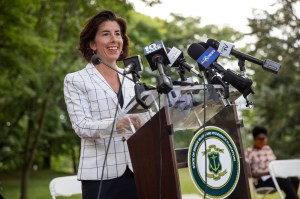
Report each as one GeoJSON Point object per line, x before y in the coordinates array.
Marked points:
{"type": "Point", "coordinates": [213, 162]}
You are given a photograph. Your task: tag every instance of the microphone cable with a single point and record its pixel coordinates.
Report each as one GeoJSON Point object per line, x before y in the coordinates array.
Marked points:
{"type": "Point", "coordinates": [96, 60]}
{"type": "Point", "coordinates": [112, 129]}
{"type": "Point", "coordinates": [205, 143]}
{"type": "Point", "coordinates": [160, 149]}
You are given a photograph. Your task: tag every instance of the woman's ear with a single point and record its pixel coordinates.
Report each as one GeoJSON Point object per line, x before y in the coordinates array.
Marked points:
{"type": "Point", "coordinates": [93, 45]}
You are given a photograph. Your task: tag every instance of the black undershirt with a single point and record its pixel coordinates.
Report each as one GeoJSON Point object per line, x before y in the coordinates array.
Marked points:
{"type": "Point", "coordinates": [120, 97]}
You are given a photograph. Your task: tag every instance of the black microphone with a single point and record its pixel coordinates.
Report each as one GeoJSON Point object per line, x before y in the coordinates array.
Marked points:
{"type": "Point", "coordinates": [133, 64]}
{"type": "Point", "coordinates": [206, 59]}
{"type": "Point", "coordinates": [177, 59]}
{"type": "Point", "coordinates": [226, 49]}
{"type": "Point", "coordinates": [157, 57]}
{"type": "Point", "coordinates": [153, 51]}
{"type": "Point", "coordinates": [95, 59]}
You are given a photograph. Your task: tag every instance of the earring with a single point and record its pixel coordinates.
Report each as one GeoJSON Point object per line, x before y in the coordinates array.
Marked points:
{"type": "Point", "coordinates": [121, 53]}
{"type": "Point", "coordinates": [94, 52]}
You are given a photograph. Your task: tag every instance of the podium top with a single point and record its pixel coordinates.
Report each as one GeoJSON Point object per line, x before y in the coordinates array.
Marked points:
{"type": "Point", "coordinates": [189, 106]}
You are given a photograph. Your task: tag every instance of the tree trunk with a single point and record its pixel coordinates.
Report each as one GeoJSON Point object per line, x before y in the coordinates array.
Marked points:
{"type": "Point", "coordinates": [26, 167]}
{"type": "Point", "coordinates": [31, 146]}
{"type": "Point", "coordinates": [47, 159]}
{"type": "Point", "coordinates": [24, 181]}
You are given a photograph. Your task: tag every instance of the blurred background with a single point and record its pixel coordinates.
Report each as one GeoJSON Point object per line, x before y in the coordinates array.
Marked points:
{"type": "Point", "coordinates": [38, 47]}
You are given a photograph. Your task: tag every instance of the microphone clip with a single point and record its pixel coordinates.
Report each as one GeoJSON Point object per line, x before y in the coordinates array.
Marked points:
{"type": "Point", "coordinates": [213, 78]}
{"type": "Point", "coordinates": [164, 84]}
{"type": "Point", "coordinates": [139, 88]}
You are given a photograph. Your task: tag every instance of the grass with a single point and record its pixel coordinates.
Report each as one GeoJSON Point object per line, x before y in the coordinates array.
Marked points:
{"type": "Point", "coordinates": [39, 185]}
{"type": "Point", "coordinates": [186, 184]}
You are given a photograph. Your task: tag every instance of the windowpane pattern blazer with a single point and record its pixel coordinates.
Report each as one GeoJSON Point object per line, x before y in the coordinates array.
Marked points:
{"type": "Point", "coordinates": [91, 104]}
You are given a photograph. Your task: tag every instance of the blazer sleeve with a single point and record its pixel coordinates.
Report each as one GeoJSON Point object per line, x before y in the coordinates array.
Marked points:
{"type": "Point", "coordinates": [79, 112]}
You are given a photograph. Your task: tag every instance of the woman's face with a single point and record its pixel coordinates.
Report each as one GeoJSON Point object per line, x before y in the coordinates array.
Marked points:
{"type": "Point", "coordinates": [260, 140]}
{"type": "Point", "coordinates": [108, 42]}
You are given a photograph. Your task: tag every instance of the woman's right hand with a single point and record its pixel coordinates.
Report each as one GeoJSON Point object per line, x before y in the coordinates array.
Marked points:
{"type": "Point", "coordinates": [127, 122]}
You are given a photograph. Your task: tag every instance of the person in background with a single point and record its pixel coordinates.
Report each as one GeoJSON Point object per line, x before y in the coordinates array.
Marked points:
{"type": "Point", "coordinates": [93, 96]}
{"type": "Point", "coordinates": [259, 156]}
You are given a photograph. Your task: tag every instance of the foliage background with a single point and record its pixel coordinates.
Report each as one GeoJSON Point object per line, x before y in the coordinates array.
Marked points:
{"type": "Point", "coordinates": [38, 47]}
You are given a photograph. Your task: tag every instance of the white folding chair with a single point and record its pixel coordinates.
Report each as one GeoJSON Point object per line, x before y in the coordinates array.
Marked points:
{"type": "Point", "coordinates": [264, 191]}
{"type": "Point", "coordinates": [284, 169]}
{"type": "Point", "coordinates": [65, 186]}
{"type": "Point", "coordinates": [260, 192]}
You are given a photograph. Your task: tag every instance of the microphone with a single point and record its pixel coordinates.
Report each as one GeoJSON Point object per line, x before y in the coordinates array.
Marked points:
{"type": "Point", "coordinates": [226, 49]}
{"type": "Point", "coordinates": [157, 57]}
{"type": "Point", "coordinates": [156, 51]}
{"type": "Point", "coordinates": [95, 59]}
{"type": "Point", "coordinates": [206, 59]}
{"type": "Point", "coordinates": [177, 59]}
{"type": "Point", "coordinates": [133, 64]}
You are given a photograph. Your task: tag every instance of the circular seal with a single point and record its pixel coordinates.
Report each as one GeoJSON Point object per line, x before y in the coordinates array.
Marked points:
{"type": "Point", "coordinates": [215, 149]}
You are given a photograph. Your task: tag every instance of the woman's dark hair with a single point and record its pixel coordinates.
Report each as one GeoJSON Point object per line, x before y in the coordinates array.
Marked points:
{"type": "Point", "coordinates": [88, 34]}
{"type": "Point", "coordinates": [258, 130]}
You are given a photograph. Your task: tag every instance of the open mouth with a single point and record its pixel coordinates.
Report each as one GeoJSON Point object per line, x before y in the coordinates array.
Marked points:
{"type": "Point", "coordinates": [113, 48]}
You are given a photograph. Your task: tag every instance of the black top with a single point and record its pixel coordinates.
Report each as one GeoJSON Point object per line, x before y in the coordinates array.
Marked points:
{"type": "Point", "coordinates": [120, 97]}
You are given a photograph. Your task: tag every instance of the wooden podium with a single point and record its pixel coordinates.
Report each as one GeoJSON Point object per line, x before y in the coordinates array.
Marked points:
{"type": "Point", "coordinates": [155, 160]}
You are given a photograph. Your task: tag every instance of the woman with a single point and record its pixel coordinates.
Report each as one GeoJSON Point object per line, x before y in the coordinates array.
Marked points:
{"type": "Point", "coordinates": [93, 96]}
{"type": "Point", "coordinates": [259, 156]}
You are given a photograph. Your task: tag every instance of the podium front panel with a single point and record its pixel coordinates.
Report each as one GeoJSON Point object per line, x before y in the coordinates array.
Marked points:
{"type": "Point", "coordinates": [153, 159]}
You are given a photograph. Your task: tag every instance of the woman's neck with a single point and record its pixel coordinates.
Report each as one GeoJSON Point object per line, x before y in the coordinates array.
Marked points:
{"type": "Point", "coordinates": [106, 70]}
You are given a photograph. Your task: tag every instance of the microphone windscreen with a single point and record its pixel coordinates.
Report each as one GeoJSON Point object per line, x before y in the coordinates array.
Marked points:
{"type": "Point", "coordinates": [213, 43]}
{"type": "Point", "coordinates": [195, 50]}
{"type": "Point", "coordinates": [242, 84]}
{"type": "Point", "coordinates": [205, 45]}
{"type": "Point", "coordinates": [95, 59]}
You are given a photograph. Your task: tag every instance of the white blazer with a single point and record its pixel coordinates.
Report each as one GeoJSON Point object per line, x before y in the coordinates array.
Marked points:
{"type": "Point", "coordinates": [91, 104]}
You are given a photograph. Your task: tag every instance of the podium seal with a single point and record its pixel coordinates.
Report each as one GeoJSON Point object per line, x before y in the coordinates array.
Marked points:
{"type": "Point", "coordinates": [215, 149]}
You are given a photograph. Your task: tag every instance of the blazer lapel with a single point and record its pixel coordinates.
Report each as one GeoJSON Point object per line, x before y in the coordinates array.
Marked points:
{"type": "Point", "coordinates": [99, 79]}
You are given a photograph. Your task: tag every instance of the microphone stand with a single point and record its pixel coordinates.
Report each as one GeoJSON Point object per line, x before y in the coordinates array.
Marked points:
{"type": "Point", "coordinates": [182, 82]}
{"type": "Point", "coordinates": [181, 72]}
{"type": "Point", "coordinates": [135, 76]}
{"type": "Point", "coordinates": [164, 82]}
{"type": "Point", "coordinates": [139, 88]}
{"type": "Point", "coordinates": [241, 64]}
{"type": "Point", "coordinates": [213, 78]}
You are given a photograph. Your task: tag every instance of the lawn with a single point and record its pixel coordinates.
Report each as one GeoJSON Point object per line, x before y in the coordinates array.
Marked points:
{"type": "Point", "coordinates": [39, 185]}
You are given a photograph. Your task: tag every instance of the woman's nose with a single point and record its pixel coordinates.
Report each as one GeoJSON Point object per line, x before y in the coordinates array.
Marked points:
{"type": "Point", "coordinates": [113, 38]}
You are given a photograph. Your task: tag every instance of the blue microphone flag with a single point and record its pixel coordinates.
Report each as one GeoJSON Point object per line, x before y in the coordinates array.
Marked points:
{"type": "Point", "coordinates": [208, 57]}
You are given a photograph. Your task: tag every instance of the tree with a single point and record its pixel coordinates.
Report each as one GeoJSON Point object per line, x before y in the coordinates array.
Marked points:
{"type": "Point", "coordinates": [38, 47]}
{"type": "Point", "coordinates": [276, 98]}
